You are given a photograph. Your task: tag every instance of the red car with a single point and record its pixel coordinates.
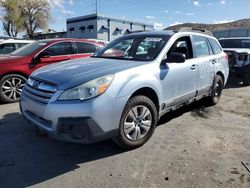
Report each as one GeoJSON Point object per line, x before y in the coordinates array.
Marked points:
{"type": "Point", "coordinates": [17, 66]}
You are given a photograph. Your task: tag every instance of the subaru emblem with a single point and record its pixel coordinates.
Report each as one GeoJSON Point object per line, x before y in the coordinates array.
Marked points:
{"type": "Point", "coordinates": [36, 84]}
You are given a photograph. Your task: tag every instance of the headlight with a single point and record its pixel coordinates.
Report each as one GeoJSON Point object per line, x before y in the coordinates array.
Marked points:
{"type": "Point", "coordinates": [88, 90]}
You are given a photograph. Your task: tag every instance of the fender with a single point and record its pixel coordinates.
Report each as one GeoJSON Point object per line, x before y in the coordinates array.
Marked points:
{"type": "Point", "coordinates": [137, 82]}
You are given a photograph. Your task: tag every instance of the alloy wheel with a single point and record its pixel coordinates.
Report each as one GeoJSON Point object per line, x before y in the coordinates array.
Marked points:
{"type": "Point", "coordinates": [12, 88]}
{"type": "Point", "coordinates": [137, 123]}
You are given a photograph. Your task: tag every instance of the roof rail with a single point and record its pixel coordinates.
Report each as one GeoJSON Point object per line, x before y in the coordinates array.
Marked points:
{"type": "Point", "coordinates": [197, 30]}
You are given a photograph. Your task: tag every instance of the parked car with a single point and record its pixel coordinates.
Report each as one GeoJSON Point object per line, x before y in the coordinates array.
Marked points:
{"type": "Point", "coordinates": [123, 95]}
{"type": "Point", "coordinates": [238, 50]}
{"type": "Point", "coordinates": [10, 45]}
{"type": "Point", "coordinates": [17, 66]}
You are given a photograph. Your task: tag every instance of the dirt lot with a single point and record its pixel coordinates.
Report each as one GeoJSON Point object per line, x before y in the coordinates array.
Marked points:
{"type": "Point", "coordinates": [193, 147]}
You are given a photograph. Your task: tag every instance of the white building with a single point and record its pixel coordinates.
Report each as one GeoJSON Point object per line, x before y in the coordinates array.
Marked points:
{"type": "Point", "coordinates": [102, 27]}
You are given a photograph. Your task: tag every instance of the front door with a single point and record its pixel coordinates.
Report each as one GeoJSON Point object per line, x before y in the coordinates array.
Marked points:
{"type": "Point", "coordinates": [180, 79]}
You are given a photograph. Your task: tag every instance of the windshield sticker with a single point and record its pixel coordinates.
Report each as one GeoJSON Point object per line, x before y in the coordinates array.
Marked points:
{"type": "Point", "coordinates": [151, 39]}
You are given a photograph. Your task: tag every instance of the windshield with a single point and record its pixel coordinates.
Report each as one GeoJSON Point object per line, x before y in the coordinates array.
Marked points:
{"type": "Point", "coordinates": [139, 48]}
{"type": "Point", "coordinates": [29, 48]}
{"type": "Point", "coordinates": [235, 43]}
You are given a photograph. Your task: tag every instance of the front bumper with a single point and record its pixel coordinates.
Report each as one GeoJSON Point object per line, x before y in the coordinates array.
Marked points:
{"type": "Point", "coordinates": [81, 122]}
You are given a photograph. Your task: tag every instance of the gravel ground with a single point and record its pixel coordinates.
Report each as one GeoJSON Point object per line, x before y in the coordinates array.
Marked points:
{"type": "Point", "coordinates": [195, 146]}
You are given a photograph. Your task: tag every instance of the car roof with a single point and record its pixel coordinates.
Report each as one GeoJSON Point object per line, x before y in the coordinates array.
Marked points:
{"type": "Point", "coordinates": [233, 38]}
{"type": "Point", "coordinates": [69, 39]}
{"type": "Point", "coordinates": [168, 33]}
{"type": "Point", "coordinates": [3, 41]}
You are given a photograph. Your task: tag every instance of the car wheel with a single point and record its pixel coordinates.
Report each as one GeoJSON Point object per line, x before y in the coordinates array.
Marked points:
{"type": "Point", "coordinates": [246, 78]}
{"type": "Point", "coordinates": [11, 88]}
{"type": "Point", "coordinates": [217, 88]}
{"type": "Point", "coordinates": [137, 123]}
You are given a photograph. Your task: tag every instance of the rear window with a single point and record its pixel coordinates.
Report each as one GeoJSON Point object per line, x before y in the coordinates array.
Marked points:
{"type": "Point", "coordinates": [215, 46]}
{"type": "Point", "coordinates": [200, 46]}
{"type": "Point", "coordinates": [235, 43]}
{"type": "Point", "coordinates": [7, 48]}
{"type": "Point", "coordinates": [83, 47]}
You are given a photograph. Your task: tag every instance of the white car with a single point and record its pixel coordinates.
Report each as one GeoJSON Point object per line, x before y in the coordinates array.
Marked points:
{"type": "Point", "coordinates": [10, 45]}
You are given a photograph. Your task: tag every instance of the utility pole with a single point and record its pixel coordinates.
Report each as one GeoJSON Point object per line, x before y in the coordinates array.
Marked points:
{"type": "Point", "coordinates": [96, 6]}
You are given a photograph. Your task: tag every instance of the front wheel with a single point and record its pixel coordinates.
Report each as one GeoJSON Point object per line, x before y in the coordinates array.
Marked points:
{"type": "Point", "coordinates": [217, 88]}
{"type": "Point", "coordinates": [11, 87]}
{"type": "Point", "coordinates": [137, 123]}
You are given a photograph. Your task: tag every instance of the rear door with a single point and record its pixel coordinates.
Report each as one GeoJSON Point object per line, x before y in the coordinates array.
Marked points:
{"type": "Point", "coordinates": [204, 61]}
{"type": "Point", "coordinates": [84, 49]}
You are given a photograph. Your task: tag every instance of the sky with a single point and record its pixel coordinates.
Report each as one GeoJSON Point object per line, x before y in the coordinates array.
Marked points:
{"type": "Point", "coordinates": [160, 13]}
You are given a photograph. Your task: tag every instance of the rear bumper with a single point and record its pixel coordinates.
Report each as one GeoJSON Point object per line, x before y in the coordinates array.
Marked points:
{"type": "Point", "coordinates": [239, 70]}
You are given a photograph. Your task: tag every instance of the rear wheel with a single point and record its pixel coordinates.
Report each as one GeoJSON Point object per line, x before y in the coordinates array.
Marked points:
{"type": "Point", "coordinates": [11, 88]}
{"type": "Point", "coordinates": [217, 88]}
{"type": "Point", "coordinates": [137, 123]}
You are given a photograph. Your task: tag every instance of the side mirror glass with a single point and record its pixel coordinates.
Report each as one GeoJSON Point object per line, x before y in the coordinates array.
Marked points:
{"type": "Point", "coordinates": [175, 57]}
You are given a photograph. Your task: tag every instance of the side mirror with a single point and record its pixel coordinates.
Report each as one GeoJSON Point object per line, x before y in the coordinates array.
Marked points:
{"type": "Point", "coordinates": [175, 57]}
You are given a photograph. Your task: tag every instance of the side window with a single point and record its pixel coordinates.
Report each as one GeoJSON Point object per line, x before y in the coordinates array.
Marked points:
{"type": "Point", "coordinates": [7, 48]}
{"type": "Point", "coordinates": [62, 48]}
{"type": "Point", "coordinates": [83, 47]}
{"type": "Point", "coordinates": [200, 46]}
{"type": "Point", "coordinates": [216, 47]}
{"type": "Point", "coordinates": [183, 45]}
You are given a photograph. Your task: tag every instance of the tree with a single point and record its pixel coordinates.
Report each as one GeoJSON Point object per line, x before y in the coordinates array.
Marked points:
{"type": "Point", "coordinates": [13, 22]}
{"type": "Point", "coordinates": [36, 15]}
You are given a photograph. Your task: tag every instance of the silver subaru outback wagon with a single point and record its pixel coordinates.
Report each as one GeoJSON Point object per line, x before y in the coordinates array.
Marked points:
{"type": "Point", "coordinates": [123, 90]}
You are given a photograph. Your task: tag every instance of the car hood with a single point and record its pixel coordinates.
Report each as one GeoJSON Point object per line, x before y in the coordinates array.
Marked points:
{"type": "Point", "coordinates": [72, 73]}
{"type": "Point", "coordinates": [238, 50]}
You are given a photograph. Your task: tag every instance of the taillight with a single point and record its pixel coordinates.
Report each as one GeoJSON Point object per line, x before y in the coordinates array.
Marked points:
{"type": "Point", "coordinates": [226, 56]}
{"type": "Point", "coordinates": [242, 57]}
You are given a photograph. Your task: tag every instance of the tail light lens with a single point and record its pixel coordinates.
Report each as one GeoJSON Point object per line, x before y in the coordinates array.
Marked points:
{"type": "Point", "coordinates": [242, 57]}
{"type": "Point", "coordinates": [226, 56]}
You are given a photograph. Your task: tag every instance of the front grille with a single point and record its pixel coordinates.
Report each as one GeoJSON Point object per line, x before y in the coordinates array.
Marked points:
{"type": "Point", "coordinates": [39, 91]}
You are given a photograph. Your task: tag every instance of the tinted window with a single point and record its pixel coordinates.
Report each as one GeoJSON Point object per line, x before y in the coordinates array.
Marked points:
{"type": "Point", "coordinates": [7, 48]}
{"type": "Point", "coordinates": [62, 48]}
{"type": "Point", "coordinates": [235, 43]}
{"type": "Point", "coordinates": [200, 46]}
{"type": "Point", "coordinates": [216, 47]}
{"type": "Point", "coordinates": [85, 47]}
{"type": "Point", "coordinates": [29, 48]}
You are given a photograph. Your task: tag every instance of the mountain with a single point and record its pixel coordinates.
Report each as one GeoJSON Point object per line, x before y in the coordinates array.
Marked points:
{"type": "Point", "coordinates": [243, 23]}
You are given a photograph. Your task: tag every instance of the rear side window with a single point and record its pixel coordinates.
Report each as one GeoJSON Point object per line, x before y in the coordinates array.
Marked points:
{"type": "Point", "coordinates": [7, 48]}
{"type": "Point", "coordinates": [200, 46]}
{"type": "Point", "coordinates": [83, 47]}
{"type": "Point", "coordinates": [62, 48]}
{"type": "Point", "coordinates": [216, 47]}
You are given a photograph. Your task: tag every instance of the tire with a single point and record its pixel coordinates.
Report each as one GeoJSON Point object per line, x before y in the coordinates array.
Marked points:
{"type": "Point", "coordinates": [137, 124]}
{"type": "Point", "coordinates": [11, 87]}
{"type": "Point", "coordinates": [216, 92]}
{"type": "Point", "coordinates": [246, 77]}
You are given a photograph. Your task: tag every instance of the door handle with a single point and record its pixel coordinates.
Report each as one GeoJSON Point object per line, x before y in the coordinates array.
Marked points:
{"type": "Point", "coordinates": [193, 67]}
{"type": "Point", "coordinates": [213, 61]}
